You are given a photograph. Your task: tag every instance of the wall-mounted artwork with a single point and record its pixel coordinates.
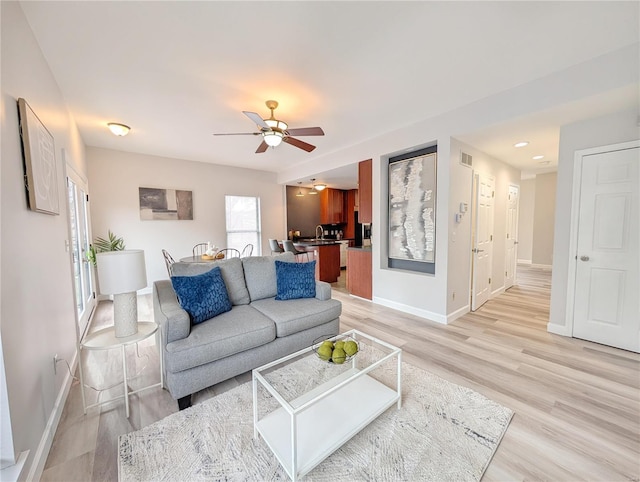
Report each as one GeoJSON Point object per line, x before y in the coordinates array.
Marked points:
{"type": "Point", "coordinates": [165, 204]}
{"type": "Point", "coordinates": [39, 161]}
{"type": "Point", "coordinates": [412, 209]}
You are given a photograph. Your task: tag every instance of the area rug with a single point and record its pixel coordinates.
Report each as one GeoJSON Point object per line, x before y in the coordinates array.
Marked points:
{"type": "Point", "coordinates": [442, 432]}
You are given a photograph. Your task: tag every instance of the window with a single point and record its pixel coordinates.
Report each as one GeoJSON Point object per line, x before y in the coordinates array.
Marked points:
{"type": "Point", "coordinates": [243, 222]}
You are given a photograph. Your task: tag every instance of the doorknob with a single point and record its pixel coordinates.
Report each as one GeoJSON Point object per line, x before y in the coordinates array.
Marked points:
{"type": "Point", "coordinates": [476, 250]}
{"type": "Point", "coordinates": [584, 258]}
{"type": "Point", "coordinates": [515, 242]}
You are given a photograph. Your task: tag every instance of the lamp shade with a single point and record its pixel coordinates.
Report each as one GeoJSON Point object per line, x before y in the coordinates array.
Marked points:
{"type": "Point", "coordinates": [121, 271]}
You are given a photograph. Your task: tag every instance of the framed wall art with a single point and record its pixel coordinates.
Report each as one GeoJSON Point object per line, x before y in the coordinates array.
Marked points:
{"type": "Point", "coordinates": [165, 204]}
{"type": "Point", "coordinates": [412, 210]}
{"type": "Point", "coordinates": [40, 162]}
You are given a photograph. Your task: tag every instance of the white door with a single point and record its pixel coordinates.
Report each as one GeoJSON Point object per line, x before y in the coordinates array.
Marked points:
{"type": "Point", "coordinates": [483, 240]}
{"type": "Point", "coordinates": [512, 237]}
{"type": "Point", "coordinates": [80, 245]}
{"type": "Point", "coordinates": [607, 289]}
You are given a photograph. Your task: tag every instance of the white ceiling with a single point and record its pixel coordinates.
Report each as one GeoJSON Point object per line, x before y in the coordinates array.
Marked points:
{"type": "Point", "coordinates": [176, 72]}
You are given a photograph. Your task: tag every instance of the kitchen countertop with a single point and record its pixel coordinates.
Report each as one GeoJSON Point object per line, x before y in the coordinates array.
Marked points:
{"type": "Point", "coordinates": [317, 242]}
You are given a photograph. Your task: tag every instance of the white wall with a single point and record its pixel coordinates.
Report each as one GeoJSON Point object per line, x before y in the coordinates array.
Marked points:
{"type": "Point", "coordinates": [37, 311]}
{"type": "Point", "coordinates": [115, 177]}
{"type": "Point", "coordinates": [543, 220]}
{"type": "Point", "coordinates": [427, 295]}
{"type": "Point", "coordinates": [459, 266]}
{"type": "Point", "coordinates": [525, 220]}
{"type": "Point", "coordinates": [613, 129]}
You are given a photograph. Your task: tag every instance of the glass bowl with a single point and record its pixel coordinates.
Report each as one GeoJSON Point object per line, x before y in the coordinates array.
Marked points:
{"type": "Point", "coordinates": [327, 356]}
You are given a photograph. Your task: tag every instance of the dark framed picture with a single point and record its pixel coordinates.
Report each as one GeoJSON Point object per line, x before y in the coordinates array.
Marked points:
{"type": "Point", "coordinates": [40, 162]}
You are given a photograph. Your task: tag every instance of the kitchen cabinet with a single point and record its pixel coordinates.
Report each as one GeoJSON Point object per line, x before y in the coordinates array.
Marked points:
{"type": "Point", "coordinates": [327, 258]}
{"type": "Point", "coordinates": [349, 208]}
{"type": "Point", "coordinates": [359, 272]}
{"type": "Point", "coordinates": [365, 191]}
{"type": "Point", "coordinates": [332, 206]}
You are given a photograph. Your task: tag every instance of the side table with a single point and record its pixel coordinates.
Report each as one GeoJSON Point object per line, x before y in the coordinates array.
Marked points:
{"type": "Point", "coordinates": [105, 339]}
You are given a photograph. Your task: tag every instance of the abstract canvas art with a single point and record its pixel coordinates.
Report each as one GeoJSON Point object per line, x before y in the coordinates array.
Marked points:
{"type": "Point", "coordinates": [412, 203]}
{"type": "Point", "coordinates": [40, 162]}
{"type": "Point", "coordinates": [165, 204]}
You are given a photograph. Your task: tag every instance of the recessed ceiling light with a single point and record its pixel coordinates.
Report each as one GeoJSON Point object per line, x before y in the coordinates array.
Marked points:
{"type": "Point", "coordinates": [521, 144]}
{"type": "Point", "coordinates": [537, 157]}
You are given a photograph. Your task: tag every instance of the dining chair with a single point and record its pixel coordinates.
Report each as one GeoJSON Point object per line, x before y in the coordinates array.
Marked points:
{"type": "Point", "coordinates": [168, 260]}
{"type": "Point", "coordinates": [247, 251]}
{"type": "Point", "coordinates": [275, 247]}
{"type": "Point", "coordinates": [199, 249]}
{"type": "Point", "coordinates": [289, 247]}
{"type": "Point", "coordinates": [227, 253]}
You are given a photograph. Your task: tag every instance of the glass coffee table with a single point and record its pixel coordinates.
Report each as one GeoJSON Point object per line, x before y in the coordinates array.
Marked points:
{"type": "Point", "coordinates": [306, 408]}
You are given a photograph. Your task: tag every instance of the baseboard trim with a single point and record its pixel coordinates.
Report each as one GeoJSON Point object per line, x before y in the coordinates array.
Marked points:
{"type": "Point", "coordinates": [458, 313]}
{"type": "Point", "coordinates": [13, 472]}
{"type": "Point", "coordinates": [558, 329]}
{"type": "Point", "coordinates": [546, 267]}
{"type": "Point", "coordinates": [497, 292]}
{"type": "Point", "coordinates": [40, 457]}
{"type": "Point", "coordinates": [429, 315]}
{"type": "Point", "coordinates": [524, 261]}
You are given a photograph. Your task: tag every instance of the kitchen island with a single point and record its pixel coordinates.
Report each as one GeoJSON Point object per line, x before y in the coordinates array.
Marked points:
{"type": "Point", "coordinates": [326, 253]}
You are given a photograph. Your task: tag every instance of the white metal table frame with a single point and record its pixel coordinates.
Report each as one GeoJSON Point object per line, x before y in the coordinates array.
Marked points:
{"type": "Point", "coordinates": [105, 339]}
{"type": "Point", "coordinates": [307, 401]}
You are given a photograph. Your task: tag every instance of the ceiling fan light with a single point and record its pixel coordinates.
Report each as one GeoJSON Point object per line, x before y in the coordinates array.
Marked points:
{"type": "Point", "coordinates": [277, 124]}
{"type": "Point", "coordinates": [120, 130]}
{"type": "Point", "coordinates": [319, 187]}
{"type": "Point", "coordinates": [273, 138]}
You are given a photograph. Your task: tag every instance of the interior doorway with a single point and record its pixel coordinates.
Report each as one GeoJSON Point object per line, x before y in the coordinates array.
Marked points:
{"type": "Point", "coordinates": [511, 242]}
{"type": "Point", "coordinates": [482, 232]}
{"type": "Point", "coordinates": [606, 230]}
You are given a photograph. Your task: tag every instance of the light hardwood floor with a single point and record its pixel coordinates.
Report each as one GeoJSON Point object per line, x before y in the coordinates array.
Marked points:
{"type": "Point", "coordinates": [576, 403]}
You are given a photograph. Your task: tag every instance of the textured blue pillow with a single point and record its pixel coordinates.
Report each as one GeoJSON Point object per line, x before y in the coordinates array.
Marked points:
{"type": "Point", "coordinates": [203, 296]}
{"type": "Point", "coordinates": [295, 280]}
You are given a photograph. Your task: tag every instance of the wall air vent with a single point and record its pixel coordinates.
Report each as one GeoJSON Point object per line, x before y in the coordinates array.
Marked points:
{"type": "Point", "coordinates": [466, 159]}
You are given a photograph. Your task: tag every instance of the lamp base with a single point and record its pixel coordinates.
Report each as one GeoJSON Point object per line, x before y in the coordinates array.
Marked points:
{"type": "Point", "coordinates": [125, 314]}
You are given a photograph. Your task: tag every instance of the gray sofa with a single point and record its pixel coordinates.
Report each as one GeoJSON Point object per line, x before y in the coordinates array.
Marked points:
{"type": "Point", "coordinates": [257, 330]}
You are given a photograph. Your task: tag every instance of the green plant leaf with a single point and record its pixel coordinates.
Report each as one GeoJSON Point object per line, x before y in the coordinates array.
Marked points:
{"type": "Point", "coordinates": [113, 243]}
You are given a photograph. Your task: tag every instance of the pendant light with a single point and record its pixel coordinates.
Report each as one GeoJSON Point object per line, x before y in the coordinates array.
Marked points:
{"type": "Point", "coordinates": [312, 191]}
{"type": "Point", "coordinates": [300, 193]}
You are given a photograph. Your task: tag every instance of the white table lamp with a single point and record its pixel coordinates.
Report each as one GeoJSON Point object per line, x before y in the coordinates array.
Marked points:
{"type": "Point", "coordinates": [122, 273]}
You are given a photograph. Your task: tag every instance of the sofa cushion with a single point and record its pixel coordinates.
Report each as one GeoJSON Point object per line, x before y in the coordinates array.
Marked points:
{"type": "Point", "coordinates": [292, 316]}
{"type": "Point", "coordinates": [232, 273]}
{"type": "Point", "coordinates": [295, 280]}
{"type": "Point", "coordinates": [232, 332]}
{"type": "Point", "coordinates": [202, 296]}
{"type": "Point", "coordinates": [260, 274]}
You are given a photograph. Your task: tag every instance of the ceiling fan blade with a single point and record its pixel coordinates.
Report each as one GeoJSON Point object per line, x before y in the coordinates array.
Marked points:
{"type": "Point", "coordinates": [257, 119]}
{"type": "Point", "coordinates": [298, 143]}
{"type": "Point", "coordinates": [262, 147]}
{"type": "Point", "coordinates": [306, 131]}
{"type": "Point", "coordinates": [239, 134]}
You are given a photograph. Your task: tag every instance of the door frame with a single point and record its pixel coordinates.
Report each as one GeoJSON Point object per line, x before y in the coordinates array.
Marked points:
{"type": "Point", "coordinates": [79, 180]}
{"type": "Point", "coordinates": [575, 211]}
{"type": "Point", "coordinates": [515, 246]}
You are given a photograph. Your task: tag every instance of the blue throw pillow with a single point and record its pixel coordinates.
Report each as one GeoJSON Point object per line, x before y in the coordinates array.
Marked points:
{"type": "Point", "coordinates": [203, 296]}
{"type": "Point", "coordinates": [295, 280]}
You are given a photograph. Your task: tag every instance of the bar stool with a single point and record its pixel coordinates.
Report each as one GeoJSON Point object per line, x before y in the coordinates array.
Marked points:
{"type": "Point", "coordinates": [275, 247]}
{"type": "Point", "coordinates": [289, 247]}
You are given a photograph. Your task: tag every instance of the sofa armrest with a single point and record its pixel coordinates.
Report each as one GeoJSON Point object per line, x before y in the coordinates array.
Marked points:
{"type": "Point", "coordinates": [323, 290]}
{"type": "Point", "coordinates": [168, 313]}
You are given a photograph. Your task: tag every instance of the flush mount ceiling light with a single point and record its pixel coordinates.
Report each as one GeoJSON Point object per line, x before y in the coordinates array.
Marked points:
{"type": "Point", "coordinates": [319, 187]}
{"type": "Point", "coordinates": [300, 194]}
{"type": "Point", "coordinates": [521, 144]}
{"type": "Point", "coordinates": [537, 157]}
{"type": "Point", "coordinates": [313, 191]}
{"type": "Point", "coordinates": [120, 130]}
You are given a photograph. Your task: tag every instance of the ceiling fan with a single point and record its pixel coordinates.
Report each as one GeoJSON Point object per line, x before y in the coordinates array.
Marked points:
{"type": "Point", "coordinates": [274, 131]}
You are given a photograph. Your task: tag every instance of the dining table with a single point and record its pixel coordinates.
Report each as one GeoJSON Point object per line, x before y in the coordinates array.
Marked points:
{"type": "Point", "coordinates": [196, 259]}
